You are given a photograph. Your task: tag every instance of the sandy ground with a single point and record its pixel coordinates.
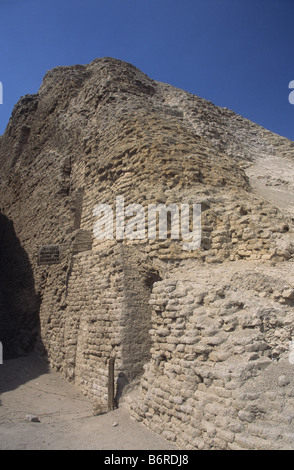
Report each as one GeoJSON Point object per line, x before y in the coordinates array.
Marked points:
{"type": "Point", "coordinates": [272, 178]}
{"type": "Point", "coordinates": [27, 387]}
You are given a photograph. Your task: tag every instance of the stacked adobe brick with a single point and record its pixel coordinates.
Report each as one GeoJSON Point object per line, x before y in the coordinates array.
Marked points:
{"type": "Point", "coordinates": [92, 133]}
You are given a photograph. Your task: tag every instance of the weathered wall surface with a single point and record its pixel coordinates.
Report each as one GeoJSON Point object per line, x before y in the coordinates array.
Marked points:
{"type": "Point", "coordinates": [107, 316]}
{"type": "Point", "coordinates": [220, 376]}
{"type": "Point", "coordinates": [19, 303]}
{"type": "Point", "coordinates": [217, 323]}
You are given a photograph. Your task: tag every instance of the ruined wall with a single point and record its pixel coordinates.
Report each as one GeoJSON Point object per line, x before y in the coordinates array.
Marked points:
{"type": "Point", "coordinates": [98, 131]}
{"type": "Point", "coordinates": [92, 329]}
{"type": "Point", "coordinates": [220, 376]}
{"type": "Point", "coordinates": [19, 303]}
{"type": "Point", "coordinates": [107, 316]}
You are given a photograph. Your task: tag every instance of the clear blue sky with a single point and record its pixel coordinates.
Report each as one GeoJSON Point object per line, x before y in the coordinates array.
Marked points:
{"type": "Point", "coordinates": [235, 53]}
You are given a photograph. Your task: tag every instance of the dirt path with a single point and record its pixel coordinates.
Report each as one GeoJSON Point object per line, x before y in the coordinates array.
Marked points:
{"type": "Point", "coordinates": [66, 417]}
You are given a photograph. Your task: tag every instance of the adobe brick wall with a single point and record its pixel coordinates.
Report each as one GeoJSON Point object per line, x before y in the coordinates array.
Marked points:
{"type": "Point", "coordinates": [204, 351]}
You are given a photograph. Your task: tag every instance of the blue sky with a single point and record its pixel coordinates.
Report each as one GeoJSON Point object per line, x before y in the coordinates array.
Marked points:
{"type": "Point", "coordinates": [235, 53]}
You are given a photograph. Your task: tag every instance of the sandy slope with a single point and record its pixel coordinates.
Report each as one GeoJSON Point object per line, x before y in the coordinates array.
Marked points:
{"type": "Point", "coordinates": [272, 178]}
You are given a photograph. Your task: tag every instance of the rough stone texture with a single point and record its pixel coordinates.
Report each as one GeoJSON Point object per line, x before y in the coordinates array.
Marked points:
{"type": "Point", "coordinates": [219, 375]}
{"type": "Point", "coordinates": [201, 339]}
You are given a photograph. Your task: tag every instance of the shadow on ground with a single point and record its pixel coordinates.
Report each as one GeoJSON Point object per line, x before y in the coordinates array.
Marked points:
{"type": "Point", "coordinates": [19, 306]}
{"type": "Point", "coordinates": [16, 372]}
